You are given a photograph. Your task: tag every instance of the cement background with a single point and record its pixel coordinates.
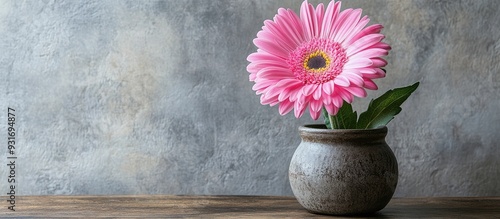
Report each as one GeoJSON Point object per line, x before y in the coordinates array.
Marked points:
{"type": "Point", "coordinates": [152, 97]}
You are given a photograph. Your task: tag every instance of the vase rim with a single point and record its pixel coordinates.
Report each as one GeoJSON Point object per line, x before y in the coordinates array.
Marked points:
{"type": "Point", "coordinates": [321, 128]}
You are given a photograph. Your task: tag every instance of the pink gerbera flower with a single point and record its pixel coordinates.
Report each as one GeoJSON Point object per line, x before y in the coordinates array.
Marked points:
{"type": "Point", "coordinates": [319, 59]}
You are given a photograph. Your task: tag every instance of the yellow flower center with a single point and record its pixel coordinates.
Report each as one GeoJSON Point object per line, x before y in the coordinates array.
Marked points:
{"type": "Point", "coordinates": [317, 61]}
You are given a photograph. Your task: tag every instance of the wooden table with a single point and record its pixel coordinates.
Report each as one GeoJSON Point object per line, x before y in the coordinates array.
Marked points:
{"type": "Point", "coordinates": [168, 206]}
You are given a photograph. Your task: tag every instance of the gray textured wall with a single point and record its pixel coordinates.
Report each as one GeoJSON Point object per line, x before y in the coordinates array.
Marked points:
{"type": "Point", "coordinates": [152, 97]}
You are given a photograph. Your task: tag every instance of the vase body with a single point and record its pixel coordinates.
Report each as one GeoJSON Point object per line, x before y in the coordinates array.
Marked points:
{"type": "Point", "coordinates": [343, 172]}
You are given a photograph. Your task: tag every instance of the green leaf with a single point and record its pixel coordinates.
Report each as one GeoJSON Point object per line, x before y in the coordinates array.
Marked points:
{"type": "Point", "coordinates": [344, 119]}
{"type": "Point", "coordinates": [383, 109]}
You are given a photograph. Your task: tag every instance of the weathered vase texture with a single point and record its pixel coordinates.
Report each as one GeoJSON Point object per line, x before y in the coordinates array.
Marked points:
{"type": "Point", "coordinates": [343, 172]}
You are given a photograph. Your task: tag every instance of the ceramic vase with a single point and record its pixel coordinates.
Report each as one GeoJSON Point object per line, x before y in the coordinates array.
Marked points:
{"type": "Point", "coordinates": [343, 171]}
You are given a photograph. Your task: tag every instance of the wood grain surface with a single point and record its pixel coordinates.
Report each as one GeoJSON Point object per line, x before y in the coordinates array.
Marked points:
{"type": "Point", "coordinates": [169, 206]}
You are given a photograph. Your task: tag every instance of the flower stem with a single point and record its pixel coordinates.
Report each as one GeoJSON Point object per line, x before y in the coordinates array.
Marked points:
{"type": "Point", "coordinates": [331, 121]}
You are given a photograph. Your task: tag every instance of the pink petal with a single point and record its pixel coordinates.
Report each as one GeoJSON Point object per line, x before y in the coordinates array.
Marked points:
{"type": "Point", "coordinates": [299, 109]}
{"type": "Point", "coordinates": [314, 115]}
{"type": "Point", "coordinates": [337, 101]}
{"type": "Point", "coordinates": [279, 34]}
{"type": "Point", "coordinates": [309, 19]}
{"type": "Point", "coordinates": [357, 91]}
{"type": "Point", "coordinates": [265, 100]}
{"type": "Point", "coordinates": [291, 86]}
{"type": "Point", "coordinates": [252, 68]}
{"type": "Point", "coordinates": [345, 28]}
{"type": "Point", "coordinates": [339, 22]}
{"type": "Point", "coordinates": [381, 45]}
{"type": "Point", "coordinates": [268, 63]}
{"type": "Point", "coordinates": [347, 96]}
{"type": "Point", "coordinates": [269, 42]}
{"type": "Point", "coordinates": [354, 79]}
{"type": "Point", "coordinates": [373, 29]}
{"type": "Point", "coordinates": [270, 47]}
{"type": "Point", "coordinates": [370, 53]}
{"type": "Point", "coordinates": [320, 12]}
{"type": "Point", "coordinates": [341, 103]}
{"type": "Point", "coordinates": [295, 94]}
{"type": "Point", "coordinates": [308, 89]}
{"type": "Point", "coordinates": [369, 84]}
{"type": "Point", "coordinates": [358, 63]}
{"type": "Point", "coordinates": [331, 15]}
{"type": "Point", "coordinates": [271, 78]}
{"type": "Point", "coordinates": [274, 103]}
{"type": "Point", "coordinates": [372, 72]}
{"type": "Point", "coordinates": [363, 43]}
{"type": "Point", "coordinates": [355, 30]}
{"type": "Point", "coordinates": [331, 109]}
{"type": "Point", "coordinates": [316, 105]}
{"type": "Point", "coordinates": [256, 64]}
{"type": "Point", "coordinates": [326, 99]}
{"type": "Point", "coordinates": [274, 72]}
{"type": "Point", "coordinates": [263, 56]}
{"type": "Point", "coordinates": [266, 35]}
{"type": "Point", "coordinates": [301, 100]}
{"type": "Point", "coordinates": [286, 83]}
{"type": "Point", "coordinates": [263, 85]}
{"type": "Point", "coordinates": [251, 77]}
{"type": "Point", "coordinates": [366, 70]}
{"type": "Point", "coordinates": [291, 25]}
{"type": "Point", "coordinates": [341, 81]}
{"type": "Point", "coordinates": [380, 72]}
{"type": "Point", "coordinates": [378, 62]}
{"type": "Point", "coordinates": [329, 87]}
{"type": "Point", "coordinates": [318, 92]}
{"type": "Point", "coordinates": [285, 107]}
{"type": "Point", "coordinates": [274, 92]}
